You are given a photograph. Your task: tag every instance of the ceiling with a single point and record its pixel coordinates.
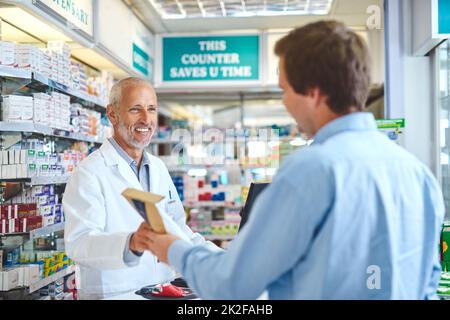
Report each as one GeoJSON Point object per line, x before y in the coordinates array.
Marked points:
{"type": "Point", "coordinates": [352, 12]}
{"type": "Point", "coordinates": [179, 9]}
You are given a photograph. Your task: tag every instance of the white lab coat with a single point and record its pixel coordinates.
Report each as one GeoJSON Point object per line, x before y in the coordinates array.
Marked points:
{"type": "Point", "coordinates": [99, 220]}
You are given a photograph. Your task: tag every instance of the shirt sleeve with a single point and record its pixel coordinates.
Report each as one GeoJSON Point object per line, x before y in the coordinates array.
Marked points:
{"type": "Point", "coordinates": [438, 208]}
{"type": "Point", "coordinates": [129, 257]}
{"type": "Point", "coordinates": [284, 221]}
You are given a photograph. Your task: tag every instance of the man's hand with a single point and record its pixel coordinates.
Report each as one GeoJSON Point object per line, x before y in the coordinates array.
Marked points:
{"type": "Point", "coordinates": [140, 240]}
{"type": "Point", "coordinates": [159, 245]}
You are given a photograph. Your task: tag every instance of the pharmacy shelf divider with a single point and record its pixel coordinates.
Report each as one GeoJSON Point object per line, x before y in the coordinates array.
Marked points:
{"type": "Point", "coordinates": [64, 89]}
{"type": "Point", "coordinates": [213, 204]}
{"type": "Point", "coordinates": [46, 281]}
{"type": "Point", "coordinates": [42, 82]}
{"type": "Point", "coordinates": [218, 237]}
{"type": "Point", "coordinates": [37, 233]}
{"type": "Point", "coordinates": [45, 130]}
{"type": "Point", "coordinates": [8, 72]}
{"type": "Point", "coordinates": [40, 181]}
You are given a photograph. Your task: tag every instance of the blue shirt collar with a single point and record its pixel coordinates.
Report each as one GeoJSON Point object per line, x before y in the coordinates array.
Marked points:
{"type": "Point", "coordinates": [125, 156]}
{"type": "Point", "coordinates": [358, 121]}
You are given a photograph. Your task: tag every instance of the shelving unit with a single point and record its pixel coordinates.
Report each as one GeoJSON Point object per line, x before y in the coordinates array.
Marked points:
{"type": "Point", "coordinates": [22, 82]}
{"type": "Point", "coordinates": [30, 127]}
{"type": "Point", "coordinates": [212, 204]}
{"type": "Point", "coordinates": [46, 281]}
{"type": "Point", "coordinates": [40, 181]}
{"type": "Point", "coordinates": [218, 237]}
{"type": "Point", "coordinates": [33, 234]}
{"type": "Point", "coordinates": [14, 73]}
{"type": "Point", "coordinates": [42, 83]}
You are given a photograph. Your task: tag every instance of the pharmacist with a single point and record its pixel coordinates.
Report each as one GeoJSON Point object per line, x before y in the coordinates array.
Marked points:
{"type": "Point", "coordinates": [103, 233]}
{"type": "Point", "coordinates": [354, 216]}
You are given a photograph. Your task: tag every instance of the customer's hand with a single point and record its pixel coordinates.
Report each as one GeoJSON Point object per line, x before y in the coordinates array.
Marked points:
{"type": "Point", "coordinates": [140, 240]}
{"type": "Point", "coordinates": [159, 245]}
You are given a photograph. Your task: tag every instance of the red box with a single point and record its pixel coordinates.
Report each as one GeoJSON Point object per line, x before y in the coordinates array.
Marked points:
{"type": "Point", "coordinates": [34, 222]}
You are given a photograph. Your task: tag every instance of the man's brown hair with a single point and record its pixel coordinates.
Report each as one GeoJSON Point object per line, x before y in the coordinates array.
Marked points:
{"type": "Point", "coordinates": [330, 56]}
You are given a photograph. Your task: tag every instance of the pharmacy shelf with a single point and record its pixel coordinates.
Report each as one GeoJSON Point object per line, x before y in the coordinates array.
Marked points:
{"type": "Point", "coordinates": [212, 204]}
{"type": "Point", "coordinates": [164, 141]}
{"type": "Point", "coordinates": [43, 81]}
{"type": "Point", "coordinates": [64, 89]}
{"type": "Point", "coordinates": [46, 281]}
{"type": "Point", "coordinates": [43, 129]}
{"type": "Point", "coordinates": [218, 237]}
{"type": "Point", "coordinates": [37, 233]}
{"type": "Point", "coordinates": [40, 181]}
{"type": "Point", "coordinates": [9, 72]}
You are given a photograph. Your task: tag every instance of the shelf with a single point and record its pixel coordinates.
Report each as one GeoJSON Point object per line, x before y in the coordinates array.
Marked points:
{"type": "Point", "coordinates": [214, 204]}
{"type": "Point", "coordinates": [218, 237]}
{"type": "Point", "coordinates": [46, 230]}
{"type": "Point", "coordinates": [46, 281]}
{"type": "Point", "coordinates": [43, 129]}
{"type": "Point", "coordinates": [37, 232]}
{"type": "Point", "coordinates": [164, 141]}
{"type": "Point", "coordinates": [43, 82]}
{"type": "Point", "coordinates": [9, 72]}
{"type": "Point", "coordinates": [64, 89]}
{"type": "Point", "coordinates": [40, 181]}
{"type": "Point", "coordinates": [186, 167]}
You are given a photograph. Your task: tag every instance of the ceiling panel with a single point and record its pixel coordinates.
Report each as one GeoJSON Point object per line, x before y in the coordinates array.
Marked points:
{"type": "Point", "coordinates": [181, 9]}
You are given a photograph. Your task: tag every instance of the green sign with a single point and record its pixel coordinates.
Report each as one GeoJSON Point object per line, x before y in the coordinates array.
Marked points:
{"type": "Point", "coordinates": [444, 16]}
{"type": "Point", "coordinates": [211, 58]}
{"type": "Point", "coordinates": [141, 60]}
{"type": "Point", "coordinates": [390, 123]}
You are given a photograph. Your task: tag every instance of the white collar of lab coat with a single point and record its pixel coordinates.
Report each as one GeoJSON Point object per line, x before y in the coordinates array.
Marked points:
{"type": "Point", "coordinates": [112, 158]}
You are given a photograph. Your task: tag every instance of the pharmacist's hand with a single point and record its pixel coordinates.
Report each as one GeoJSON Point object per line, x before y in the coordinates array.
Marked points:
{"type": "Point", "coordinates": [160, 243]}
{"type": "Point", "coordinates": [140, 240]}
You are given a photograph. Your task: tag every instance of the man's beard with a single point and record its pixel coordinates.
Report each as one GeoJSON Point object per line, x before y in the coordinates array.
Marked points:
{"type": "Point", "coordinates": [128, 137]}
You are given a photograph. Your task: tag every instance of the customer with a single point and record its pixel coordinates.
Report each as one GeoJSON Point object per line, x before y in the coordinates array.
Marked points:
{"type": "Point", "coordinates": [354, 216]}
{"type": "Point", "coordinates": [100, 223]}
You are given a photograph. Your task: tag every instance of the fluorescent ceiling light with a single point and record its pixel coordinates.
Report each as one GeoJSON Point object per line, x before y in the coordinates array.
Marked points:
{"type": "Point", "coordinates": [31, 24]}
{"type": "Point", "coordinates": [180, 9]}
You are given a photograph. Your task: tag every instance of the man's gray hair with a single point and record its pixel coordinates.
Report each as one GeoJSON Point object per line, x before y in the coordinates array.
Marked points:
{"type": "Point", "coordinates": [115, 95]}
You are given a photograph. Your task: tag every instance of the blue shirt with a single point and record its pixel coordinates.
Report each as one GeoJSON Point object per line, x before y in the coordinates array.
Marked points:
{"type": "Point", "coordinates": [354, 216]}
{"type": "Point", "coordinates": [143, 175]}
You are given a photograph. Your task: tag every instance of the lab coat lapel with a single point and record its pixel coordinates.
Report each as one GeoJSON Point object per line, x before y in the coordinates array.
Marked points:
{"type": "Point", "coordinates": [112, 158]}
{"type": "Point", "coordinates": [155, 174]}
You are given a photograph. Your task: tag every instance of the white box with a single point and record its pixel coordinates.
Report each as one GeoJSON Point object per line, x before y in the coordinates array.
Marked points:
{"type": "Point", "coordinates": [12, 171]}
{"type": "Point", "coordinates": [24, 170]}
{"type": "Point", "coordinates": [5, 157]}
{"type": "Point", "coordinates": [20, 276]}
{"type": "Point", "coordinates": [32, 274]}
{"type": "Point", "coordinates": [9, 279]}
{"type": "Point", "coordinates": [7, 53]}
{"type": "Point", "coordinates": [17, 156]}
{"type": "Point", "coordinates": [23, 156]}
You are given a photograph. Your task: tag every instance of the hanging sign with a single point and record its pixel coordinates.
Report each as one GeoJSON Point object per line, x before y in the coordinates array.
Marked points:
{"type": "Point", "coordinates": [77, 12]}
{"type": "Point", "coordinates": [211, 58]}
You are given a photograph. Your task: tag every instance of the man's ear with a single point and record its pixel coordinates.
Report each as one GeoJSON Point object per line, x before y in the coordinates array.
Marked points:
{"type": "Point", "coordinates": [316, 95]}
{"type": "Point", "coordinates": [111, 114]}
